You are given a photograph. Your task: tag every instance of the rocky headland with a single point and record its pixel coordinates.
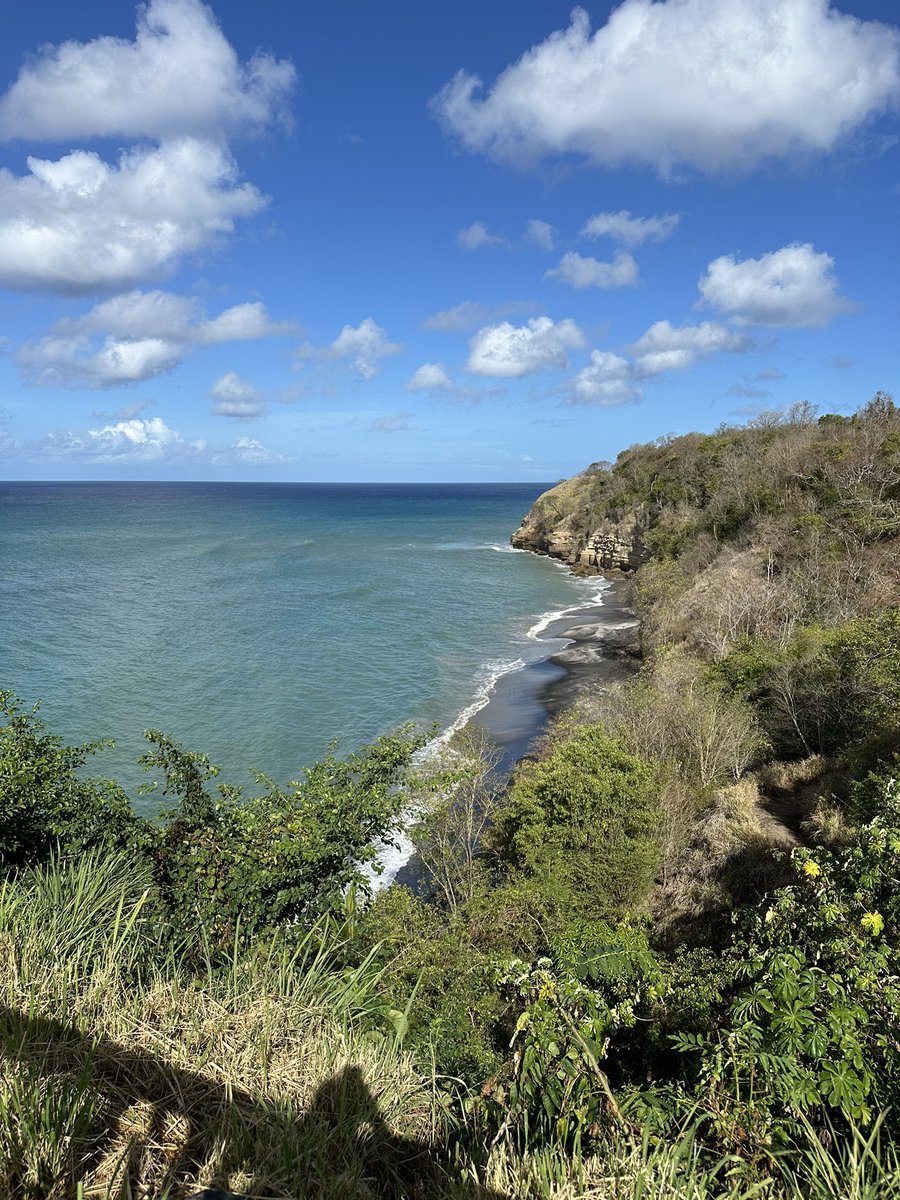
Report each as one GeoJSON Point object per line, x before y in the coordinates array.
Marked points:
{"type": "Point", "coordinates": [561, 524]}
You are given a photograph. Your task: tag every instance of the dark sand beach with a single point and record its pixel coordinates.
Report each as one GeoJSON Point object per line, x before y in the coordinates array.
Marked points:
{"type": "Point", "coordinates": [590, 648]}
{"type": "Point", "coordinates": [597, 647]}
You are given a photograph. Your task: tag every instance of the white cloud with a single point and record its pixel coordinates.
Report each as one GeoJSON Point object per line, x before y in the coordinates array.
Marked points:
{"type": "Point", "coordinates": [147, 440]}
{"type": "Point", "coordinates": [144, 334]}
{"type": "Point", "coordinates": [430, 377]}
{"type": "Point", "coordinates": [471, 314]}
{"type": "Point", "coordinates": [477, 235]}
{"type": "Point", "coordinates": [628, 230]}
{"type": "Point", "coordinates": [583, 272]}
{"type": "Point", "coordinates": [394, 423]}
{"type": "Point", "coordinates": [178, 77]}
{"type": "Point", "coordinates": [510, 351]}
{"type": "Point", "coordinates": [252, 453]}
{"type": "Point", "coordinates": [78, 225]}
{"type": "Point", "coordinates": [792, 287]}
{"type": "Point", "coordinates": [236, 397]}
{"type": "Point", "coordinates": [365, 345]}
{"type": "Point", "coordinates": [714, 86]}
{"type": "Point", "coordinates": [665, 347]}
{"type": "Point", "coordinates": [541, 234]}
{"type": "Point", "coordinates": [244, 323]}
{"type": "Point", "coordinates": [607, 381]}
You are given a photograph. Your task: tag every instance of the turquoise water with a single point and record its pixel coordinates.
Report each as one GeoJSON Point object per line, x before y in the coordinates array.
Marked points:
{"type": "Point", "coordinates": [258, 622]}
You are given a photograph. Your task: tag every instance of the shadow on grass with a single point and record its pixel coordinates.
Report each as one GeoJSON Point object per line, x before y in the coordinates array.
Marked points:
{"type": "Point", "coordinates": [143, 1128]}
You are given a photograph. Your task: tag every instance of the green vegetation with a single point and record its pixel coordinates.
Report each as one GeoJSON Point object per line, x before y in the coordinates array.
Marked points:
{"type": "Point", "coordinates": [663, 960]}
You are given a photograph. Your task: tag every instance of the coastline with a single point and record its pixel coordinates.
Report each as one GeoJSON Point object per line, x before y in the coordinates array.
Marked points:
{"type": "Point", "coordinates": [597, 647]}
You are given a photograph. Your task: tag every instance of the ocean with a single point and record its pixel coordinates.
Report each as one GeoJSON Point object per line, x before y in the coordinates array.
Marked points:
{"type": "Point", "coordinates": [259, 623]}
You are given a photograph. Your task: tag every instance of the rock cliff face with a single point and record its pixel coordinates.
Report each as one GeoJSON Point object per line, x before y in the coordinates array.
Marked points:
{"type": "Point", "coordinates": [591, 543]}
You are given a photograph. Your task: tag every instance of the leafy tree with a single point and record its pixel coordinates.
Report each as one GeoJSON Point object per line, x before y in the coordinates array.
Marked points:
{"type": "Point", "coordinates": [579, 826]}
{"type": "Point", "coordinates": [226, 863]}
{"type": "Point", "coordinates": [44, 802]}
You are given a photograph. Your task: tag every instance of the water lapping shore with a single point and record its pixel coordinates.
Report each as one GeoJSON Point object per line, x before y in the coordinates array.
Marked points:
{"type": "Point", "coordinates": [256, 623]}
{"type": "Point", "coordinates": [584, 648]}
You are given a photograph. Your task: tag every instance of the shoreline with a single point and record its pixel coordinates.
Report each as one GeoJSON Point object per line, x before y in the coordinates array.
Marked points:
{"type": "Point", "coordinates": [599, 647]}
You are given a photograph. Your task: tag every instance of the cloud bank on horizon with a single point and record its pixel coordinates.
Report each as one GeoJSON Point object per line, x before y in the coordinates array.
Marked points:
{"type": "Point", "coordinates": [641, 217]}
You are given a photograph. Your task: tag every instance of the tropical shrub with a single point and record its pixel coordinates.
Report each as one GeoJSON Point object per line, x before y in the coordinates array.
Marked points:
{"type": "Point", "coordinates": [579, 827]}
{"type": "Point", "coordinates": [45, 804]}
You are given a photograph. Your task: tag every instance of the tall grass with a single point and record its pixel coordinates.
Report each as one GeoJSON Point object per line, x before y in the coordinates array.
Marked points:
{"type": "Point", "coordinates": [128, 1073]}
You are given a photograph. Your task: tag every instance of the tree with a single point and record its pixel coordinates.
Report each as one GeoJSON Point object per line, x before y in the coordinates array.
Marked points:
{"type": "Point", "coordinates": [579, 827]}
{"type": "Point", "coordinates": [226, 863]}
{"type": "Point", "coordinates": [44, 803]}
{"type": "Point", "coordinates": [463, 791]}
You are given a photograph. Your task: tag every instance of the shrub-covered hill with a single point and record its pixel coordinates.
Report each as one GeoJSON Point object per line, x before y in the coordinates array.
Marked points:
{"type": "Point", "coordinates": [661, 960]}
{"type": "Point", "coordinates": [765, 565]}
{"type": "Point", "coordinates": [815, 499]}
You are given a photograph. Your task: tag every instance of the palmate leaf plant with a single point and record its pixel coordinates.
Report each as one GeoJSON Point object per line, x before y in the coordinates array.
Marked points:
{"type": "Point", "coordinates": [600, 982]}
{"type": "Point", "coordinates": [813, 1025]}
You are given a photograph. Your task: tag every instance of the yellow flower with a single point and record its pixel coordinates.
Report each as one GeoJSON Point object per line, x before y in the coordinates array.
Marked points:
{"type": "Point", "coordinates": [811, 868]}
{"type": "Point", "coordinates": [872, 921]}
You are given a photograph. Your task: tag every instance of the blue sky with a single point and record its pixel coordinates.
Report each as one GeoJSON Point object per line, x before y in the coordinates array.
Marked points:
{"type": "Point", "coordinates": [407, 241]}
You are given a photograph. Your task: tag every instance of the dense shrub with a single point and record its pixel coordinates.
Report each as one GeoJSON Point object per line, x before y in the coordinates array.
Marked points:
{"type": "Point", "coordinates": [45, 804]}
{"type": "Point", "coordinates": [580, 826]}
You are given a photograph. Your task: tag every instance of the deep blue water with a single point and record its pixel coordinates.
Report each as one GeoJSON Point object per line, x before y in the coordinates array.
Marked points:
{"type": "Point", "coordinates": [259, 622]}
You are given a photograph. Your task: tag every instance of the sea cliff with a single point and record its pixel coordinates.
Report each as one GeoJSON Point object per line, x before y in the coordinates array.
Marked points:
{"type": "Point", "coordinates": [562, 524]}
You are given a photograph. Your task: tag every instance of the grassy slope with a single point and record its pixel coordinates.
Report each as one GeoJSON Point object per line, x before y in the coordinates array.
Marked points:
{"type": "Point", "coordinates": [131, 1069]}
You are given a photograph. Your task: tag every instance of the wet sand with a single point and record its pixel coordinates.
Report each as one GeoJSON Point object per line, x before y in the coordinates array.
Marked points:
{"type": "Point", "coordinates": [589, 648]}
{"type": "Point", "coordinates": [598, 646]}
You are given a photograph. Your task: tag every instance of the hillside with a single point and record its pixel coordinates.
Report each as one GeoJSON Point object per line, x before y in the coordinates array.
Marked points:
{"type": "Point", "coordinates": [765, 571]}
{"type": "Point", "coordinates": [662, 959]}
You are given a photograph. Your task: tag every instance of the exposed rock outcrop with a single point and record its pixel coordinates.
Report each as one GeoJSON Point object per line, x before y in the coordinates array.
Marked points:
{"type": "Point", "coordinates": [591, 543]}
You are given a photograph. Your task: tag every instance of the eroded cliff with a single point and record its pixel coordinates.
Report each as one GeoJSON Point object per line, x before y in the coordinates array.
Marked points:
{"type": "Point", "coordinates": [567, 523]}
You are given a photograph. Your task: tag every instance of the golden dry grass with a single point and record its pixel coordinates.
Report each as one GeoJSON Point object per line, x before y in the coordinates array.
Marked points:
{"type": "Point", "coordinates": [275, 1075]}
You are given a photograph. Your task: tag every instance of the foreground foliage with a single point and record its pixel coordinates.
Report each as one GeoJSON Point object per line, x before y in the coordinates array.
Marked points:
{"type": "Point", "coordinates": [663, 960]}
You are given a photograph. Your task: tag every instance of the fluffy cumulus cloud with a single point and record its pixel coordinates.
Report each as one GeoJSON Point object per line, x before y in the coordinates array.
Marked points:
{"type": "Point", "coordinates": [477, 235]}
{"type": "Point", "coordinates": [581, 271]}
{"type": "Point", "coordinates": [178, 77]}
{"type": "Point", "coordinates": [134, 337]}
{"type": "Point", "coordinates": [666, 347]}
{"type": "Point", "coordinates": [364, 345]}
{"type": "Point", "coordinates": [508, 351]}
{"type": "Point", "coordinates": [139, 440]}
{"type": "Point", "coordinates": [430, 377]}
{"type": "Point", "coordinates": [792, 287]}
{"type": "Point", "coordinates": [251, 453]}
{"type": "Point", "coordinates": [713, 86]}
{"type": "Point", "coordinates": [235, 397]}
{"type": "Point", "coordinates": [622, 227]}
{"type": "Point", "coordinates": [79, 224]}
{"type": "Point", "coordinates": [607, 381]}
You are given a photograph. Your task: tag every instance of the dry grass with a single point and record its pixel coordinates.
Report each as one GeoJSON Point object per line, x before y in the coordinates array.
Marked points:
{"type": "Point", "coordinates": [124, 1074]}
{"type": "Point", "coordinates": [731, 858]}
